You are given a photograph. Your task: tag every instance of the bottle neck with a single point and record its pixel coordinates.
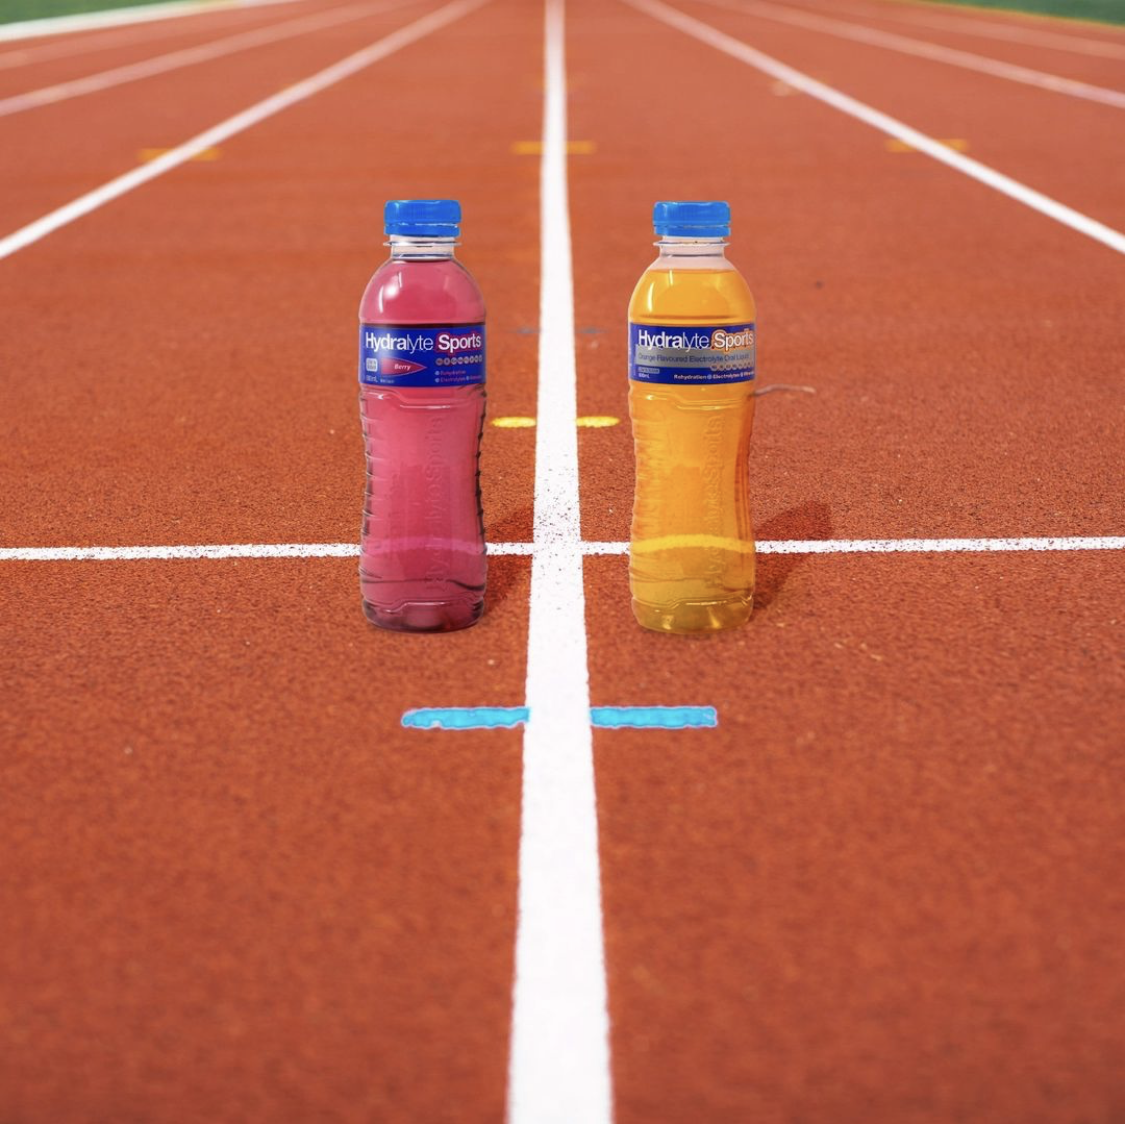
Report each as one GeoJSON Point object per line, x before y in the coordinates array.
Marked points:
{"type": "Point", "coordinates": [407, 248]}
{"type": "Point", "coordinates": [696, 249]}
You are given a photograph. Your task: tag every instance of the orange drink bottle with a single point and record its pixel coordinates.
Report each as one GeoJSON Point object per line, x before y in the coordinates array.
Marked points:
{"type": "Point", "coordinates": [691, 386]}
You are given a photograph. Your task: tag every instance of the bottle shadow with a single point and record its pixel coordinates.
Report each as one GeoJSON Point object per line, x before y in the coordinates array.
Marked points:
{"type": "Point", "coordinates": [508, 574]}
{"type": "Point", "coordinates": [807, 521]}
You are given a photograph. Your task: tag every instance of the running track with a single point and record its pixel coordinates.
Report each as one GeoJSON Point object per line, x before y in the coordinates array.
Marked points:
{"type": "Point", "coordinates": [885, 887]}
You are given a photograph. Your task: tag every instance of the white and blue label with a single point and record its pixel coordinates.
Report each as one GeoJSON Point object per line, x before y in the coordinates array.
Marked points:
{"type": "Point", "coordinates": [452, 356]}
{"type": "Point", "coordinates": [691, 356]}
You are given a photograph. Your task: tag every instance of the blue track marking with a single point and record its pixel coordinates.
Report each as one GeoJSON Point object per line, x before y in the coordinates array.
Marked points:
{"type": "Point", "coordinates": [607, 717]}
{"type": "Point", "coordinates": [654, 717]}
{"type": "Point", "coordinates": [466, 717]}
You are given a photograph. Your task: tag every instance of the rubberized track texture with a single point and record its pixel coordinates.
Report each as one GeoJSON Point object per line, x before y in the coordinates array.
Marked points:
{"type": "Point", "coordinates": [858, 861]}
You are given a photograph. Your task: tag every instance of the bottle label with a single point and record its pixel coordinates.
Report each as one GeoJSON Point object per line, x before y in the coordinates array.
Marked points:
{"type": "Point", "coordinates": [691, 355]}
{"type": "Point", "coordinates": [452, 356]}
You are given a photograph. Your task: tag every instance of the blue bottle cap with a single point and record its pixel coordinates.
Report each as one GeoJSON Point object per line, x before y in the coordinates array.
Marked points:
{"type": "Point", "coordinates": [693, 219]}
{"type": "Point", "coordinates": [423, 218]}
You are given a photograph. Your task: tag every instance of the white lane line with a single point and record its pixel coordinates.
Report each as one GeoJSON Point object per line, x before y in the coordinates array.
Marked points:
{"type": "Point", "coordinates": [215, 550]}
{"type": "Point", "coordinates": [214, 136]}
{"type": "Point", "coordinates": [922, 49]}
{"type": "Point", "coordinates": [351, 549]}
{"type": "Point", "coordinates": [559, 1063]}
{"type": "Point", "coordinates": [1006, 32]}
{"type": "Point", "coordinates": [98, 41]}
{"type": "Point", "coordinates": [907, 546]}
{"type": "Point", "coordinates": [115, 17]}
{"type": "Point", "coordinates": [938, 546]}
{"type": "Point", "coordinates": [892, 127]}
{"type": "Point", "coordinates": [189, 56]}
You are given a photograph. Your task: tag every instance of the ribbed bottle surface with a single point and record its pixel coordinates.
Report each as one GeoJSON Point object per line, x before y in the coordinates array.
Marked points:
{"type": "Point", "coordinates": [691, 561]}
{"type": "Point", "coordinates": [422, 549]}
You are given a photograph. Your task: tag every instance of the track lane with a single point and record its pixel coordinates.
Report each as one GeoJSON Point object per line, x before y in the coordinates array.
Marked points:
{"type": "Point", "coordinates": [178, 301]}
{"type": "Point", "coordinates": [851, 30]}
{"type": "Point", "coordinates": [72, 147]}
{"type": "Point", "coordinates": [141, 65]}
{"type": "Point", "coordinates": [269, 898]}
{"type": "Point", "coordinates": [65, 23]}
{"type": "Point", "coordinates": [236, 890]}
{"type": "Point", "coordinates": [883, 334]}
{"type": "Point", "coordinates": [885, 887]}
{"type": "Point", "coordinates": [846, 900]}
{"type": "Point", "coordinates": [655, 977]}
{"type": "Point", "coordinates": [1062, 42]}
{"type": "Point", "coordinates": [1066, 148]}
{"type": "Point", "coordinates": [153, 36]}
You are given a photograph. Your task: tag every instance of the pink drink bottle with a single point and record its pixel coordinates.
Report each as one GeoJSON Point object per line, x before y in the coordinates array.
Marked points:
{"type": "Point", "coordinates": [421, 400]}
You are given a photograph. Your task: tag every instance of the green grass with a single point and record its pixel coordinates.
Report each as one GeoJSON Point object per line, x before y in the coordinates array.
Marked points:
{"type": "Point", "coordinates": [12, 10]}
{"type": "Point", "coordinates": [1107, 11]}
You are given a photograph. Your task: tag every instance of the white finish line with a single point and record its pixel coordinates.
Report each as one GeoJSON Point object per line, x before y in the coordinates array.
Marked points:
{"type": "Point", "coordinates": [351, 549]}
{"type": "Point", "coordinates": [936, 546]}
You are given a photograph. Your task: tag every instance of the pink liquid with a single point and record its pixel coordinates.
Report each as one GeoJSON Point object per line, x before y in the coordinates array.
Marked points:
{"type": "Point", "coordinates": [422, 558]}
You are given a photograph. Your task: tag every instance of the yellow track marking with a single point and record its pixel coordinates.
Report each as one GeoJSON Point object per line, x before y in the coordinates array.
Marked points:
{"type": "Point", "coordinates": [598, 421]}
{"type": "Point", "coordinates": [513, 423]}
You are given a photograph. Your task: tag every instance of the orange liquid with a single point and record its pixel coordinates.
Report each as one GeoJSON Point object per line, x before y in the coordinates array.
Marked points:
{"type": "Point", "coordinates": [691, 557]}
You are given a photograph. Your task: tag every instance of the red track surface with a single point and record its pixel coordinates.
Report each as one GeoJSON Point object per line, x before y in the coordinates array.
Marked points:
{"type": "Point", "coordinates": [887, 887]}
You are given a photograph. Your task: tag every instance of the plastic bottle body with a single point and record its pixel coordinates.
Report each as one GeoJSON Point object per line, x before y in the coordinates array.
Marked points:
{"type": "Point", "coordinates": [691, 562]}
{"type": "Point", "coordinates": [422, 550]}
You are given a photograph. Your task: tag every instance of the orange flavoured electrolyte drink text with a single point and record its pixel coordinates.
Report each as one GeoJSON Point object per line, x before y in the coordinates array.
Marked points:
{"type": "Point", "coordinates": [691, 386]}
